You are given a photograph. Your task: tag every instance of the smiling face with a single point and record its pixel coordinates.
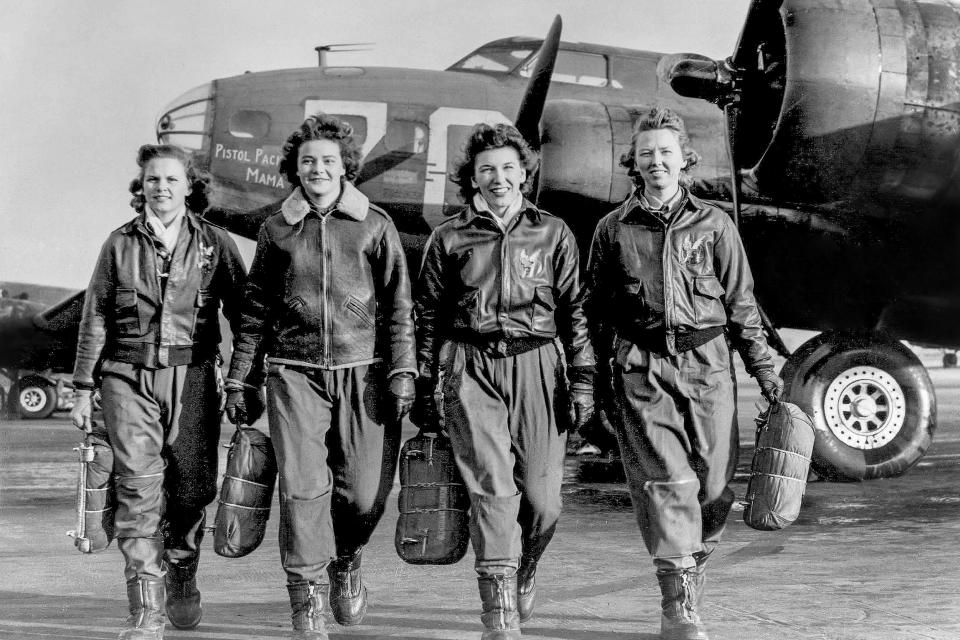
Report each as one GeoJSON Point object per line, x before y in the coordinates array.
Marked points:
{"type": "Point", "coordinates": [499, 174]}
{"type": "Point", "coordinates": [658, 161]}
{"type": "Point", "coordinates": [165, 185]}
{"type": "Point", "coordinates": [320, 167]}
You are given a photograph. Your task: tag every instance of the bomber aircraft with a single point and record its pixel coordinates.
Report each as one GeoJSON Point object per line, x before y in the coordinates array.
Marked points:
{"type": "Point", "coordinates": [834, 147]}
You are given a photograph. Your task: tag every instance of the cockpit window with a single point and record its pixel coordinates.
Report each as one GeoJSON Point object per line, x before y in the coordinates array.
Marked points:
{"type": "Point", "coordinates": [575, 67]}
{"type": "Point", "coordinates": [495, 60]}
{"type": "Point", "coordinates": [248, 123]}
{"type": "Point", "coordinates": [406, 136]}
{"type": "Point", "coordinates": [184, 121]}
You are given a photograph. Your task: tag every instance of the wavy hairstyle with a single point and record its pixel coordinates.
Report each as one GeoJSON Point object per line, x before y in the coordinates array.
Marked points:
{"type": "Point", "coordinates": [321, 126]}
{"type": "Point", "coordinates": [484, 137]}
{"type": "Point", "coordinates": [198, 179]}
{"type": "Point", "coordinates": [661, 118]}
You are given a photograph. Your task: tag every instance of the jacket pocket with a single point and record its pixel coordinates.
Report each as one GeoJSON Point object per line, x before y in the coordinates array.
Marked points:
{"type": "Point", "coordinates": [708, 301]}
{"type": "Point", "coordinates": [468, 310]}
{"type": "Point", "coordinates": [542, 310]}
{"type": "Point", "coordinates": [127, 312]}
{"type": "Point", "coordinates": [359, 309]}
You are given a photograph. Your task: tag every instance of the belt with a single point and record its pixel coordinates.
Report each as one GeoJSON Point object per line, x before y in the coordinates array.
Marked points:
{"type": "Point", "coordinates": [655, 340]}
{"type": "Point", "coordinates": [497, 346]}
{"type": "Point", "coordinates": [153, 356]}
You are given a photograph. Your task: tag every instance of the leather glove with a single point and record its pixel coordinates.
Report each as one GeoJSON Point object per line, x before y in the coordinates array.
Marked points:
{"type": "Point", "coordinates": [404, 393]}
{"type": "Point", "coordinates": [425, 414]}
{"type": "Point", "coordinates": [581, 395]}
{"type": "Point", "coordinates": [82, 410]}
{"type": "Point", "coordinates": [236, 406]}
{"type": "Point", "coordinates": [771, 385]}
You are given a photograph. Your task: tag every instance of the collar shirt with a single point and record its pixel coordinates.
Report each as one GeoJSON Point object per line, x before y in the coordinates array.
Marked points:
{"type": "Point", "coordinates": [502, 221]}
{"type": "Point", "coordinates": [664, 208]}
{"type": "Point", "coordinates": [167, 234]}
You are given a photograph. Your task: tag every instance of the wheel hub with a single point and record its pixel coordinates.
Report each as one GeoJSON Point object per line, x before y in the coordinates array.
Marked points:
{"type": "Point", "coordinates": [32, 398]}
{"type": "Point", "coordinates": [865, 407]}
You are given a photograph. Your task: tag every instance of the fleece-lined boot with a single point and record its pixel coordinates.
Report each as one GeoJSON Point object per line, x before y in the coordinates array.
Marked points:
{"type": "Point", "coordinates": [498, 595]}
{"type": "Point", "coordinates": [308, 603]}
{"type": "Point", "coordinates": [679, 619]}
{"type": "Point", "coordinates": [348, 596]}
{"type": "Point", "coordinates": [146, 620]}
{"type": "Point", "coordinates": [183, 597]}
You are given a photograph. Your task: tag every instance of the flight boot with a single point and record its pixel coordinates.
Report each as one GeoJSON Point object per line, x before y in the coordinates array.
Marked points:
{"type": "Point", "coordinates": [146, 620]}
{"type": "Point", "coordinates": [699, 576]}
{"type": "Point", "coordinates": [526, 588]}
{"type": "Point", "coordinates": [308, 606]}
{"type": "Point", "coordinates": [348, 596]}
{"type": "Point", "coordinates": [498, 596]}
{"type": "Point", "coordinates": [679, 619]}
{"type": "Point", "coordinates": [183, 597]}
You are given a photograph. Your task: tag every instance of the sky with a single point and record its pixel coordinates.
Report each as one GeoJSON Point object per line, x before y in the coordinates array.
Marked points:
{"type": "Point", "coordinates": [83, 81]}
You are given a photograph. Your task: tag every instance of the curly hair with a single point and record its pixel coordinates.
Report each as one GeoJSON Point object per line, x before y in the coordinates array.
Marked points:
{"type": "Point", "coordinates": [321, 126]}
{"type": "Point", "coordinates": [197, 178]}
{"type": "Point", "coordinates": [661, 118]}
{"type": "Point", "coordinates": [484, 137]}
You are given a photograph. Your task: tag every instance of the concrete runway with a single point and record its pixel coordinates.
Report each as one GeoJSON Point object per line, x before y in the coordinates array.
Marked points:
{"type": "Point", "coordinates": [876, 560]}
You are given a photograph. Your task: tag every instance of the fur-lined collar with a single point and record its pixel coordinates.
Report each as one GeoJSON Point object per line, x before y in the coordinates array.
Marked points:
{"type": "Point", "coordinates": [352, 203]}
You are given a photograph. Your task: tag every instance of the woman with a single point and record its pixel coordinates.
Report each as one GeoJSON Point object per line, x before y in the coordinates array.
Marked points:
{"type": "Point", "coordinates": [150, 337]}
{"type": "Point", "coordinates": [499, 283]}
{"type": "Point", "coordinates": [668, 283]}
{"type": "Point", "coordinates": [330, 293]}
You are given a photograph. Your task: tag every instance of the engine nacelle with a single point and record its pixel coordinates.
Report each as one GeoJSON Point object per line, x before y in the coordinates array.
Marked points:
{"type": "Point", "coordinates": [849, 98]}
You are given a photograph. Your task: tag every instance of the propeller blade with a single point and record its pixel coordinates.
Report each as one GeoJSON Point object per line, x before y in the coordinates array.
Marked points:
{"type": "Point", "coordinates": [744, 54]}
{"type": "Point", "coordinates": [729, 131]}
{"type": "Point", "coordinates": [381, 164]}
{"type": "Point", "coordinates": [535, 96]}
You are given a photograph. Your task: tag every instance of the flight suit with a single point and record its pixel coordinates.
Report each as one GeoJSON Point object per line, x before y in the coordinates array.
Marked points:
{"type": "Point", "coordinates": [665, 293]}
{"type": "Point", "coordinates": [329, 293]}
{"type": "Point", "coordinates": [491, 304]}
{"type": "Point", "coordinates": [150, 333]}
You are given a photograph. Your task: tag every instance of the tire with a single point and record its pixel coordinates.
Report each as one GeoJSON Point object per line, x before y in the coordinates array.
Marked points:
{"type": "Point", "coordinates": [36, 400]}
{"type": "Point", "coordinates": [872, 403]}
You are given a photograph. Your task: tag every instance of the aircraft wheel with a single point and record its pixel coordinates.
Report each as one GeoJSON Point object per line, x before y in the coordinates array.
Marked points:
{"type": "Point", "coordinates": [37, 400]}
{"type": "Point", "coordinates": [872, 403]}
{"type": "Point", "coordinates": [950, 360]}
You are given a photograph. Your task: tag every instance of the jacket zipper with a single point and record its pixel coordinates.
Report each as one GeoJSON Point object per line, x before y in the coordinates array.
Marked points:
{"type": "Point", "coordinates": [667, 278]}
{"type": "Point", "coordinates": [504, 280]}
{"type": "Point", "coordinates": [323, 291]}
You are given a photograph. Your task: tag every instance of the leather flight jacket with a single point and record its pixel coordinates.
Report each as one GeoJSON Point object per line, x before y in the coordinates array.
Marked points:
{"type": "Point", "coordinates": [149, 307]}
{"type": "Point", "coordinates": [668, 285]}
{"type": "Point", "coordinates": [506, 291]}
{"type": "Point", "coordinates": [328, 290]}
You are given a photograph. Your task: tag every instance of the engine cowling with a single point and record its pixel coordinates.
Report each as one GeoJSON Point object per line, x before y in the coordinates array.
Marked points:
{"type": "Point", "coordinates": [837, 99]}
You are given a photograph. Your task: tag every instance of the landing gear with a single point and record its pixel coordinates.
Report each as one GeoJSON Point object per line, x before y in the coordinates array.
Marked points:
{"type": "Point", "coordinates": [36, 399]}
{"type": "Point", "coordinates": [871, 401]}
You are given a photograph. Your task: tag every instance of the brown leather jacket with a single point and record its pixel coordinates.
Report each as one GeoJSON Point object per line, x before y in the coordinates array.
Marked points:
{"type": "Point", "coordinates": [128, 318]}
{"type": "Point", "coordinates": [478, 282]}
{"type": "Point", "coordinates": [649, 278]}
{"type": "Point", "coordinates": [329, 292]}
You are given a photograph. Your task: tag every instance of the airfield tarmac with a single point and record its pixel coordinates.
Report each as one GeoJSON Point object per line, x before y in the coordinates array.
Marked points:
{"type": "Point", "coordinates": [878, 560]}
